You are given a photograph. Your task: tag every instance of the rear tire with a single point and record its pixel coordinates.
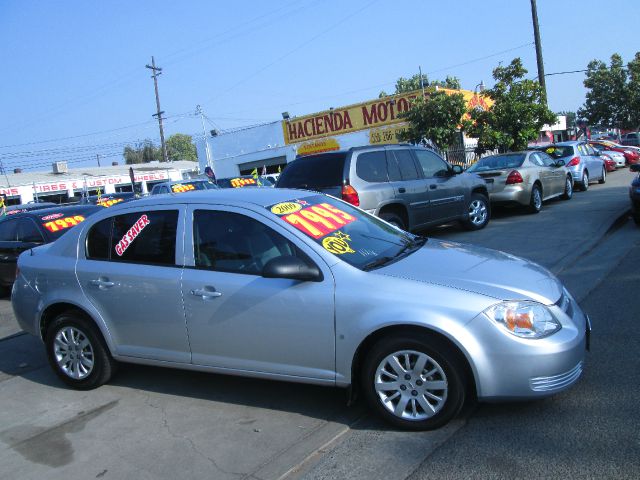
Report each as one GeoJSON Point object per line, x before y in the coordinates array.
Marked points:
{"type": "Point", "coordinates": [429, 388]}
{"type": "Point", "coordinates": [478, 211]}
{"type": "Point", "coordinates": [535, 203]}
{"type": "Point", "coordinates": [393, 219]}
{"type": "Point", "coordinates": [604, 176]}
{"type": "Point", "coordinates": [568, 188]}
{"type": "Point", "coordinates": [77, 352]}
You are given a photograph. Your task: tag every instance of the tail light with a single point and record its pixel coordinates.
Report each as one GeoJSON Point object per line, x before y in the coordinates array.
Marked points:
{"type": "Point", "coordinates": [574, 161]}
{"type": "Point", "coordinates": [514, 177]}
{"type": "Point", "coordinates": [350, 195]}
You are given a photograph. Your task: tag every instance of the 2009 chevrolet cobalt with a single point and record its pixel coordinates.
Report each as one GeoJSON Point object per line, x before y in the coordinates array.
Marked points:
{"type": "Point", "coordinates": [299, 286]}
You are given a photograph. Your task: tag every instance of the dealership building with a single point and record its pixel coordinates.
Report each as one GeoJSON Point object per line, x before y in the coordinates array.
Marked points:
{"type": "Point", "coordinates": [274, 144]}
{"type": "Point", "coordinates": [62, 185]}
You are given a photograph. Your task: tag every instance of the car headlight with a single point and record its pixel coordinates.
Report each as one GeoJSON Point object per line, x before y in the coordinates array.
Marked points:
{"type": "Point", "coordinates": [524, 319]}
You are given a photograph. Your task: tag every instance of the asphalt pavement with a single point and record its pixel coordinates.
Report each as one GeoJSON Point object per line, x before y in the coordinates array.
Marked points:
{"type": "Point", "coordinates": [161, 423]}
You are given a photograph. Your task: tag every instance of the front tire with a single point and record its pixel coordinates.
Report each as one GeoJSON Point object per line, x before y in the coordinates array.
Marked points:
{"type": "Point", "coordinates": [535, 203]}
{"type": "Point", "coordinates": [413, 382]}
{"type": "Point", "coordinates": [584, 185]}
{"type": "Point", "coordinates": [568, 188]}
{"type": "Point", "coordinates": [77, 352]}
{"type": "Point", "coordinates": [478, 211]}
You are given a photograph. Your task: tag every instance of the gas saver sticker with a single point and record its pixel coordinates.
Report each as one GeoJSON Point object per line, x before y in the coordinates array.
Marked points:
{"type": "Point", "coordinates": [338, 244]}
{"type": "Point", "coordinates": [131, 234]}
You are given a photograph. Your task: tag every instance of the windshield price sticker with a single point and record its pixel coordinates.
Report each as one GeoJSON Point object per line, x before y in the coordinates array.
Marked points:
{"type": "Point", "coordinates": [109, 203]}
{"type": "Point", "coordinates": [62, 223]}
{"type": "Point", "coordinates": [131, 235]}
{"type": "Point", "coordinates": [320, 220]}
{"type": "Point", "coordinates": [181, 188]}
{"type": "Point", "coordinates": [286, 207]}
{"type": "Point", "coordinates": [241, 182]}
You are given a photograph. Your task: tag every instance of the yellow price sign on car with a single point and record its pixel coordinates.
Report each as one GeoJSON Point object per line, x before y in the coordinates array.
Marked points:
{"type": "Point", "coordinates": [62, 223]}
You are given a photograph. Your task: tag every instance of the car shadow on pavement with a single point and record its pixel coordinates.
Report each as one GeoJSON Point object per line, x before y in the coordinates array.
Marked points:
{"type": "Point", "coordinates": [24, 356]}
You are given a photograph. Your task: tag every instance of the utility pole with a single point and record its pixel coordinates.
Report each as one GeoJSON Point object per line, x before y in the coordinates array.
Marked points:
{"type": "Point", "coordinates": [536, 35]}
{"type": "Point", "coordinates": [204, 134]}
{"type": "Point", "coordinates": [156, 72]}
{"type": "Point", "coordinates": [98, 158]}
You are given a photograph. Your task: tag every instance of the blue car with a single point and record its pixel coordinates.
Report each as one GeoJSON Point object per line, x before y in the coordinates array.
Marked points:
{"type": "Point", "coordinates": [634, 193]}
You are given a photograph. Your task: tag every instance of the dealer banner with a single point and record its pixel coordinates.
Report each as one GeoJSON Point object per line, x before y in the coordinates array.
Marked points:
{"type": "Point", "coordinates": [361, 116]}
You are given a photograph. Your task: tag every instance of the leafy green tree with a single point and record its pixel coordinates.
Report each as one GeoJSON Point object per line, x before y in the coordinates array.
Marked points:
{"type": "Point", "coordinates": [143, 152]}
{"type": "Point", "coordinates": [180, 147]}
{"type": "Point", "coordinates": [404, 85]}
{"type": "Point", "coordinates": [633, 93]}
{"type": "Point", "coordinates": [437, 118]}
{"type": "Point", "coordinates": [607, 99]}
{"type": "Point", "coordinates": [517, 114]}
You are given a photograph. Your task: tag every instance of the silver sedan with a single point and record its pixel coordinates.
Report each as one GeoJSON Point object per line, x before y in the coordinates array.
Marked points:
{"type": "Point", "coordinates": [524, 178]}
{"type": "Point", "coordinates": [299, 286]}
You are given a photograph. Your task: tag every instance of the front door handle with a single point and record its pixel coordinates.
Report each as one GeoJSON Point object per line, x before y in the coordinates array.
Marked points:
{"type": "Point", "coordinates": [205, 293]}
{"type": "Point", "coordinates": [433, 186]}
{"type": "Point", "coordinates": [102, 284]}
{"type": "Point", "coordinates": [401, 190]}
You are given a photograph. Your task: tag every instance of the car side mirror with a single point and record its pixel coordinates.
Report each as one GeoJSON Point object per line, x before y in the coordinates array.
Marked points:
{"type": "Point", "coordinates": [635, 167]}
{"type": "Point", "coordinates": [560, 163]}
{"type": "Point", "coordinates": [457, 169]}
{"type": "Point", "coordinates": [287, 266]}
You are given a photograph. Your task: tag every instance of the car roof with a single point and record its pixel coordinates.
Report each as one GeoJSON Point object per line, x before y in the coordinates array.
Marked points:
{"type": "Point", "coordinates": [257, 196]}
{"type": "Point", "coordinates": [569, 143]}
{"type": "Point", "coordinates": [43, 212]}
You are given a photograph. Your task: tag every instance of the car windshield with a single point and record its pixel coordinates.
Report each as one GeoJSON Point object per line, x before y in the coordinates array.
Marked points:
{"type": "Point", "coordinates": [360, 239]}
{"type": "Point", "coordinates": [559, 151]}
{"type": "Point", "coordinates": [496, 162]}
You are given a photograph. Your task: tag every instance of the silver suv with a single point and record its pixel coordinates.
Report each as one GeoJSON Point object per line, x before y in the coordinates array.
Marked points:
{"type": "Point", "coordinates": [408, 186]}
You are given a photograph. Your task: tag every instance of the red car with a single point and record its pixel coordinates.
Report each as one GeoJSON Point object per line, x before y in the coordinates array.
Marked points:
{"type": "Point", "coordinates": [631, 155]}
{"type": "Point", "coordinates": [609, 163]}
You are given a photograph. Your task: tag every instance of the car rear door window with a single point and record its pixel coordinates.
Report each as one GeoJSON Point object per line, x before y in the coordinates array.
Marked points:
{"type": "Point", "coordinates": [235, 243]}
{"type": "Point", "coordinates": [99, 240]}
{"type": "Point", "coordinates": [147, 237]}
{"type": "Point", "coordinates": [372, 166]}
{"type": "Point", "coordinates": [406, 164]}
{"type": "Point", "coordinates": [432, 165]}
{"type": "Point", "coordinates": [535, 159]}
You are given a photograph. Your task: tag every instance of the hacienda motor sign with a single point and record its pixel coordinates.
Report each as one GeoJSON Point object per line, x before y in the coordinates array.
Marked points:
{"type": "Point", "coordinates": [376, 113]}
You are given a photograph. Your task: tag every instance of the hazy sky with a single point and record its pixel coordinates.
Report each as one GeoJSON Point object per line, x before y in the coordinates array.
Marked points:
{"type": "Point", "coordinates": [74, 81]}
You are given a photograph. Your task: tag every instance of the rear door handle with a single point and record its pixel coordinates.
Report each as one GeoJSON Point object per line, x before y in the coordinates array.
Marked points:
{"type": "Point", "coordinates": [205, 293]}
{"type": "Point", "coordinates": [401, 190]}
{"type": "Point", "coordinates": [433, 186]}
{"type": "Point", "coordinates": [100, 283]}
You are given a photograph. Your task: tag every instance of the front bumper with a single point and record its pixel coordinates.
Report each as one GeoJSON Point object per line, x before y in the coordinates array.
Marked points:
{"type": "Point", "coordinates": [510, 367]}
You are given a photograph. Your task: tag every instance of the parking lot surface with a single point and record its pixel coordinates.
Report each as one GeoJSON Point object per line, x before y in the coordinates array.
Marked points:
{"type": "Point", "coordinates": [160, 423]}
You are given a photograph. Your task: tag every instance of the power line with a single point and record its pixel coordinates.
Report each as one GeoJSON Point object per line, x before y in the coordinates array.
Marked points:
{"type": "Point", "coordinates": [565, 73]}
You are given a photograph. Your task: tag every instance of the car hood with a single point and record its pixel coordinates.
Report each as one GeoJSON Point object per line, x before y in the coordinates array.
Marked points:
{"type": "Point", "coordinates": [480, 270]}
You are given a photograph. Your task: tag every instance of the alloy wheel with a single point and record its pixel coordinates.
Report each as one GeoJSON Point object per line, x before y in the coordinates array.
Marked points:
{"type": "Point", "coordinates": [477, 212]}
{"type": "Point", "coordinates": [411, 385]}
{"type": "Point", "coordinates": [73, 353]}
